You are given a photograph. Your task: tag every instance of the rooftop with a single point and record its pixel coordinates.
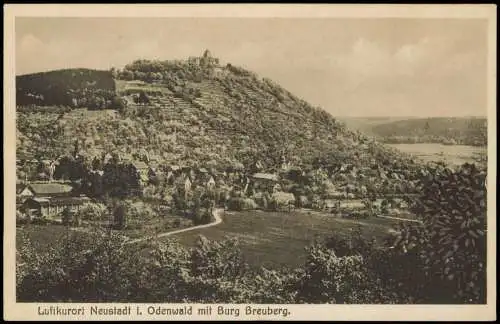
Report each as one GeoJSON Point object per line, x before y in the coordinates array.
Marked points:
{"type": "Point", "coordinates": [62, 200]}
{"type": "Point", "coordinates": [50, 188]}
{"type": "Point", "coordinates": [140, 165]}
{"type": "Point", "coordinates": [265, 176]}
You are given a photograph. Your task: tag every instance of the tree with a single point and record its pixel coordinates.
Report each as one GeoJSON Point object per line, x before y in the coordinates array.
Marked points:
{"type": "Point", "coordinates": [128, 75]}
{"type": "Point", "coordinates": [120, 216]}
{"type": "Point", "coordinates": [67, 216]}
{"type": "Point", "coordinates": [328, 278]}
{"type": "Point", "coordinates": [119, 104]}
{"type": "Point", "coordinates": [453, 207]}
{"type": "Point", "coordinates": [92, 212]}
{"type": "Point", "coordinates": [143, 98]}
{"type": "Point", "coordinates": [91, 268]}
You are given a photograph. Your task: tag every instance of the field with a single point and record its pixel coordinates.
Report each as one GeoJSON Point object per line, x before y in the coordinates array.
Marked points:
{"type": "Point", "coordinates": [270, 239]}
{"type": "Point", "coordinates": [450, 154]}
{"type": "Point", "coordinates": [277, 239]}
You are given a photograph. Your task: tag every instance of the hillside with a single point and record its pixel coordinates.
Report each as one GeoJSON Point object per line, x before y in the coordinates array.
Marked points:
{"type": "Point", "coordinates": [70, 87]}
{"type": "Point", "coordinates": [457, 130]}
{"type": "Point", "coordinates": [196, 113]}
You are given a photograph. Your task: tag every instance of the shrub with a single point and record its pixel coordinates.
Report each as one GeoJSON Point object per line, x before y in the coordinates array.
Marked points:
{"type": "Point", "coordinates": [240, 204]}
{"type": "Point", "coordinates": [92, 211]}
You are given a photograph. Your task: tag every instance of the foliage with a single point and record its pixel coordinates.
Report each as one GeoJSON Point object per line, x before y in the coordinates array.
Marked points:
{"type": "Point", "coordinates": [453, 208]}
{"type": "Point", "coordinates": [121, 180]}
{"type": "Point", "coordinates": [241, 204]}
{"type": "Point", "coordinates": [92, 212]}
{"type": "Point", "coordinates": [71, 87]}
{"type": "Point", "coordinates": [78, 268]}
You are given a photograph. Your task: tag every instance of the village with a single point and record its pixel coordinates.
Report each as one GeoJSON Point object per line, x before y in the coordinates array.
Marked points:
{"type": "Point", "coordinates": [53, 197]}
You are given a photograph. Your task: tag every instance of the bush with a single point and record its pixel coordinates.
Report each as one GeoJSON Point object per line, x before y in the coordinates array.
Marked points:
{"type": "Point", "coordinates": [92, 212]}
{"type": "Point", "coordinates": [240, 204]}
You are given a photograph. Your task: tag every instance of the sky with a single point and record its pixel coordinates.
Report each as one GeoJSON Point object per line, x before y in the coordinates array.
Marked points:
{"type": "Point", "coordinates": [349, 67]}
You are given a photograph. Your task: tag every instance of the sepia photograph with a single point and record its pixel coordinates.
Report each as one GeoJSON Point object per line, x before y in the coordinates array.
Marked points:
{"type": "Point", "coordinates": [233, 167]}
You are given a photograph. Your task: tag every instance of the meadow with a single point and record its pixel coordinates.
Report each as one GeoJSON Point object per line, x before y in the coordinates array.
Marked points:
{"type": "Point", "coordinates": [450, 154]}
{"type": "Point", "coordinates": [279, 239]}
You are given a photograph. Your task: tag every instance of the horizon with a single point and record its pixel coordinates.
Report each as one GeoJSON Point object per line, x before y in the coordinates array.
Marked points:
{"type": "Point", "coordinates": [353, 68]}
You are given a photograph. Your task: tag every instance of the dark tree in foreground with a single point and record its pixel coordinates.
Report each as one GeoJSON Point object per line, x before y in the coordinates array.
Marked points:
{"type": "Point", "coordinates": [451, 244]}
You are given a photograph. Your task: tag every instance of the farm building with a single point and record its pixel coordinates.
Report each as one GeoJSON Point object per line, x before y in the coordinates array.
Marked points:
{"type": "Point", "coordinates": [46, 189]}
{"type": "Point", "coordinates": [52, 206]}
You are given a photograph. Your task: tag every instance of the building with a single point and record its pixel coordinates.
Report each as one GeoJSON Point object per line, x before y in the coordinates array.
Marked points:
{"type": "Point", "coordinates": [46, 189]}
{"type": "Point", "coordinates": [210, 183]}
{"type": "Point", "coordinates": [187, 185]}
{"type": "Point", "coordinates": [142, 171]}
{"type": "Point", "coordinates": [51, 207]}
{"type": "Point", "coordinates": [49, 199]}
{"type": "Point", "coordinates": [263, 181]}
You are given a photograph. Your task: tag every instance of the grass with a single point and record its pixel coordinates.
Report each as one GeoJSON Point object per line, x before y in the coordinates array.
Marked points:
{"type": "Point", "coordinates": [158, 225]}
{"type": "Point", "coordinates": [279, 239]}
{"type": "Point", "coordinates": [450, 154]}
{"type": "Point", "coordinates": [270, 239]}
{"type": "Point", "coordinates": [45, 236]}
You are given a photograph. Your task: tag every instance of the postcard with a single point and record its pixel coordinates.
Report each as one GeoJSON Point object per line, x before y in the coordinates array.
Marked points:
{"type": "Point", "coordinates": [249, 162]}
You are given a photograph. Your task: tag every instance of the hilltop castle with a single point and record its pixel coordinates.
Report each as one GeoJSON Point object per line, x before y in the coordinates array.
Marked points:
{"type": "Point", "coordinates": [206, 60]}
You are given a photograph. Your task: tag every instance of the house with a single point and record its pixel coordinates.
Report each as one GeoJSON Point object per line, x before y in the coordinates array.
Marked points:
{"type": "Point", "coordinates": [53, 206]}
{"type": "Point", "coordinates": [142, 170]}
{"type": "Point", "coordinates": [263, 181]}
{"type": "Point", "coordinates": [355, 204]}
{"type": "Point", "coordinates": [187, 184]}
{"type": "Point", "coordinates": [264, 177]}
{"type": "Point", "coordinates": [276, 188]}
{"type": "Point", "coordinates": [46, 189]}
{"type": "Point", "coordinates": [210, 183]}
{"type": "Point", "coordinates": [331, 204]}
{"type": "Point", "coordinates": [22, 194]}
{"type": "Point", "coordinates": [399, 203]}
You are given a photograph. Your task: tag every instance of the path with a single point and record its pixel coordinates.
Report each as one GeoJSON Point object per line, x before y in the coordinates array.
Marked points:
{"type": "Point", "coordinates": [216, 214]}
{"type": "Point", "coordinates": [402, 219]}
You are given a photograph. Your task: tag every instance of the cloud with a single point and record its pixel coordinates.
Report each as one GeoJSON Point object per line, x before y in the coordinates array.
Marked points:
{"type": "Point", "coordinates": [367, 60]}
{"type": "Point", "coordinates": [29, 44]}
{"type": "Point", "coordinates": [409, 56]}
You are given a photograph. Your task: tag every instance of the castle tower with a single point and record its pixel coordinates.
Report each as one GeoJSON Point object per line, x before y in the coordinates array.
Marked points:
{"type": "Point", "coordinates": [207, 54]}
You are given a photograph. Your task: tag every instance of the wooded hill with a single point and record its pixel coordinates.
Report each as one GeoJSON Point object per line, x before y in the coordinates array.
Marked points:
{"type": "Point", "coordinates": [195, 111]}
{"type": "Point", "coordinates": [444, 130]}
{"type": "Point", "coordinates": [69, 87]}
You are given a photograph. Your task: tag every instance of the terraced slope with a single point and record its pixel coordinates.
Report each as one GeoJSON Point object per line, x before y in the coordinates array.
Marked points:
{"type": "Point", "coordinates": [217, 116]}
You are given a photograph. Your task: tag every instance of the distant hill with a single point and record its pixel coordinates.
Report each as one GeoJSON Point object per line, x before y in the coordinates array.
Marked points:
{"type": "Point", "coordinates": [195, 112]}
{"type": "Point", "coordinates": [444, 130]}
{"type": "Point", "coordinates": [456, 130]}
{"type": "Point", "coordinates": [69, 87]}
{"type": "Point", "coordinates": [366, 124]}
